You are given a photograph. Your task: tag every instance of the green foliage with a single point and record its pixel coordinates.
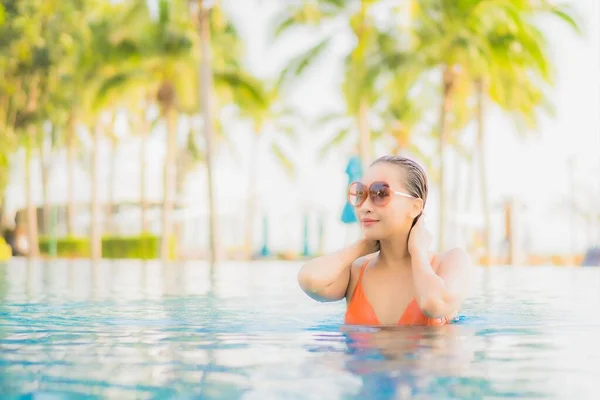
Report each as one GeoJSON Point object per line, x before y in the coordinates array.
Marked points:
{"type": "Point", "coordinates": [301, 63]}
{"type": "Point", "coordinates": [68, 247]}
{"type": "Point", "coordinates": [143, 247]}
{"type": "Point", "coordinates": [63, 63]}
{"type": "Point", "coordinates": [5, 250]}
{"type": "Point", "coordinates": [383, 93]}
{"type": "Point", "coordinates": [498, 42]}
{"type": "Point", "coordinates": [6, 146]}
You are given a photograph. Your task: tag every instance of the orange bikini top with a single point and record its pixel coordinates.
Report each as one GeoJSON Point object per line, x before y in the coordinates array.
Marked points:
{"type": "Point", "coordinates": [360, 312]}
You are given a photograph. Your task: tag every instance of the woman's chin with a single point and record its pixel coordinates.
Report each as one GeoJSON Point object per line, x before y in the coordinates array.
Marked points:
{"type": "Point", "coordinates": [372, 234]}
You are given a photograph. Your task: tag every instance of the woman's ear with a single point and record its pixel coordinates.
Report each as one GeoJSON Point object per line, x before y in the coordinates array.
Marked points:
{"type": "Point", "coordinates": [417, 208]}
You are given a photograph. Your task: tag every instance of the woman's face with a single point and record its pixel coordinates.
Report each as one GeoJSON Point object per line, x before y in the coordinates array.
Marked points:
{"type": "Point", "coordinates": [380, 221]}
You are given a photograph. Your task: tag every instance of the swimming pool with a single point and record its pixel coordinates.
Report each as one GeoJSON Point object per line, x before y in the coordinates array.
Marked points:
{"type": "Point", "coordinates": [132, 330]}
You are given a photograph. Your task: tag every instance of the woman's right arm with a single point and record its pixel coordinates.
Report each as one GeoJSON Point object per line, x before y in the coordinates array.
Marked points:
{"type": "Point", "coordinates": [326, 278]}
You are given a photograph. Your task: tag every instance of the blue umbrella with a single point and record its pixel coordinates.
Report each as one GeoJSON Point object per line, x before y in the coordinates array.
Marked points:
{"type": "Point", "coordinates": [265, 252]}
{"type": "Point", "coordinates": [354, 172]}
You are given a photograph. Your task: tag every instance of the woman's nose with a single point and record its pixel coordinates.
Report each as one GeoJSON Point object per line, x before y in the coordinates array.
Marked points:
{"type": "Point", "coordinates": [367, 206]}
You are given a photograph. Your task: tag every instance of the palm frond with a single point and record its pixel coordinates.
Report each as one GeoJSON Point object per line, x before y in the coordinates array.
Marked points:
{"type": "Point", "coordinates": [299, 64]}
{"type": "Point", "coordinates": [196, 154]}
{"type": "Point", "coordinates": [565, 13]}
{"type": "Point", "coordinates": [329, 118]}
{"type": "Point", "coordinates": [307, 14]}
{"type": "Point", "coordinates": [118, 84]}
{"type": "Point", "coordinates": [289, 131]}
{"type": "Point", "coordinates": [283, 159]}
{"type": "Point", "coordinates": [245, 88]}
{"type": "Point", "coordinates": [286, 23]}
{"type": "Point", "coordinates": [341, 136]}
{"type": "Point", "coordinates": [223, 138]}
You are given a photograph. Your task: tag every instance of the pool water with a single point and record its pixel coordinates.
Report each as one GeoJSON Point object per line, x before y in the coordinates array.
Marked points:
{"type": "Point", "coordinates": [132, 330]}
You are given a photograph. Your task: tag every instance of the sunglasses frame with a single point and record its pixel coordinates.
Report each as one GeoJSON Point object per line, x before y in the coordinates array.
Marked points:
{"type": "Point", "coordinates": [369, 194]}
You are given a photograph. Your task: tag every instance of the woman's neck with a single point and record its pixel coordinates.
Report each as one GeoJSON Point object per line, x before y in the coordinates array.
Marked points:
{"type": "Point", "coordinates": [394, 251]}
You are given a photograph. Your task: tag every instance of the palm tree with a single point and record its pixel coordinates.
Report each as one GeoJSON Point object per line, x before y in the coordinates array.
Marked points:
{"type": "Point", "coordinates": [206, 88]}
{"type": "Point", "coordinates": [462, 42]}
{"type": "Point", "coordinates": [9, 92]}
{"type": "Point", "coordinates": [516, 76]}
{"type": "Point", "coordinates": [360, 74]}
{"type": "Point", "coordinates": [141, 126]}
{"type": "Point", "coordinates": [128, 92]}
{"type": "Point", "coordinates": [7, 144]}
{"type": "Point", "coordinates": [47, 145]}
{"type": "Point", "coordinates": [5, 150]}
{"type": "Point", "coordinates": [274, 125]}
{"type": "Point", "coordinates": [71, 143]}
{"type": "Point", "coordinates": [113, 138]}
{"type": "Point", "coordinates": [30, 69]}
{"type": "Point", "coordinates": [98, 60]}
{"type": "Point", "coordinates": [56, 80]}
{"type": "Point", "coordinates": [219, 72]}
{"type": "Point", "coordinates": [401, 112]}
{"type": "Point", "coordinates": [161, 56]}
{"type": "Point", "coordinates": [32, 221]}
{"type": "Point", "coordinates": [21, 66]}
{"type": "Point", "coordinates": [156, 53]}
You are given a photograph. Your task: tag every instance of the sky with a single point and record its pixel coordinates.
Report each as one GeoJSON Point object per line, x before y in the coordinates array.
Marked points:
{"type": "Point", "coordinates": [532, 170]}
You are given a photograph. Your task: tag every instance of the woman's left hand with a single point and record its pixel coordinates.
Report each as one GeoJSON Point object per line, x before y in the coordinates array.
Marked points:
{"type": "Point", "coordinates": [419, 239]}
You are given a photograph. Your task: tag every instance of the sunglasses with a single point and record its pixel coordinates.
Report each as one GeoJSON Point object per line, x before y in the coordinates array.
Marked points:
{"type": "Point", "coordinates": [380, 192]}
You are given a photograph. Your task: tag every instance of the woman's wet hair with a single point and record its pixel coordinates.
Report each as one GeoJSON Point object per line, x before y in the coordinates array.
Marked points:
{"type": "Point", "coordinates": [416, 179]}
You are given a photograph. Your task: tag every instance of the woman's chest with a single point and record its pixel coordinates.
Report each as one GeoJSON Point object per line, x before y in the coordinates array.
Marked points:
{"type": "Point", "coordinates": [389, 294]}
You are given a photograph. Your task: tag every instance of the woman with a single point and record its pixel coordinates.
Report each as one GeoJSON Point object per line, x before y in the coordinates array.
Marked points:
{"type": "Point", "coordinates": [389, 277]}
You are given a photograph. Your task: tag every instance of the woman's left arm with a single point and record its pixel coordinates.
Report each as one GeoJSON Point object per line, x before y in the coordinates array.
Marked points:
{"type": "Point", "coordinates": [441, 294]}
{"type": "Point", "coordinates": [442, 284]}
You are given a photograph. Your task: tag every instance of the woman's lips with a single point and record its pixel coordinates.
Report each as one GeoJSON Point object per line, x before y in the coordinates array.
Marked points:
{"type": "Point", "coordinates": [368, 222]}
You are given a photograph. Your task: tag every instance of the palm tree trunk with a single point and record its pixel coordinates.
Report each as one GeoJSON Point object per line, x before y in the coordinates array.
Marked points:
{"type": "Point", "coordinates": [112, 179]}
{"type": "Point", "coordinates": [205, 96]}
{"type": "Point", "coordinates": [2, 211]}
{"type": "Point", "coordinates": [32, 234]}
{"type": "Point", "coordinates": [251, 205]}
{"type": "Point", "coordinates": [3, 183]}
{"type": "Point", "coordinates": [143, 194]}
{"type": "Point", "coordinates": [45, 175]}
{"type": "Point", "coordinates": [183, 163]}
{"type": "Point", "coordinates": [144, 127]}
{"type": "Point", "coordinates": [95, 235]}
{"type": "Point", "coordinates": [446, 106]}
{"type": "Point", "coordinates": [468, 194]}
{"type": "Point", "coordinates": [71, 207]}
{"type": "Point", "coordinates": [482, 167]}
{"type": "Point", "coordinates": [456, 186]}
{"type": "Point", "coordinates": [364, 141]}
{"type": "Point", "coordinates": [168, 184]}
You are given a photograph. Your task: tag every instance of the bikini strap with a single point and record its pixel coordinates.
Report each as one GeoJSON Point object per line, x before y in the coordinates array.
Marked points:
{"type": "Point", "coordinates": [362, 272]}
{"type": "Point", "coordinates": [360, 276]}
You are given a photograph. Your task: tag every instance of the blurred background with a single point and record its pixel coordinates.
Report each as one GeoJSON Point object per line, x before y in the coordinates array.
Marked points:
{"type": "Point", "coordinates": [178, 129]}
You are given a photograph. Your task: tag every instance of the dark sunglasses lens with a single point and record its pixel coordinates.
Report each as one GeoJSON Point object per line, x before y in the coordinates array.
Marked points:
{"type": "Point", "coordinates": [380, 193]}
{"type": "Point", "coordinates": [356, 194]}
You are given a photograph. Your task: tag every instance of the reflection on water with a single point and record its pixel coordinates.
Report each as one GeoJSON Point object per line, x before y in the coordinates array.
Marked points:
{"type": "Point", "coordinates": [144, 330]}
